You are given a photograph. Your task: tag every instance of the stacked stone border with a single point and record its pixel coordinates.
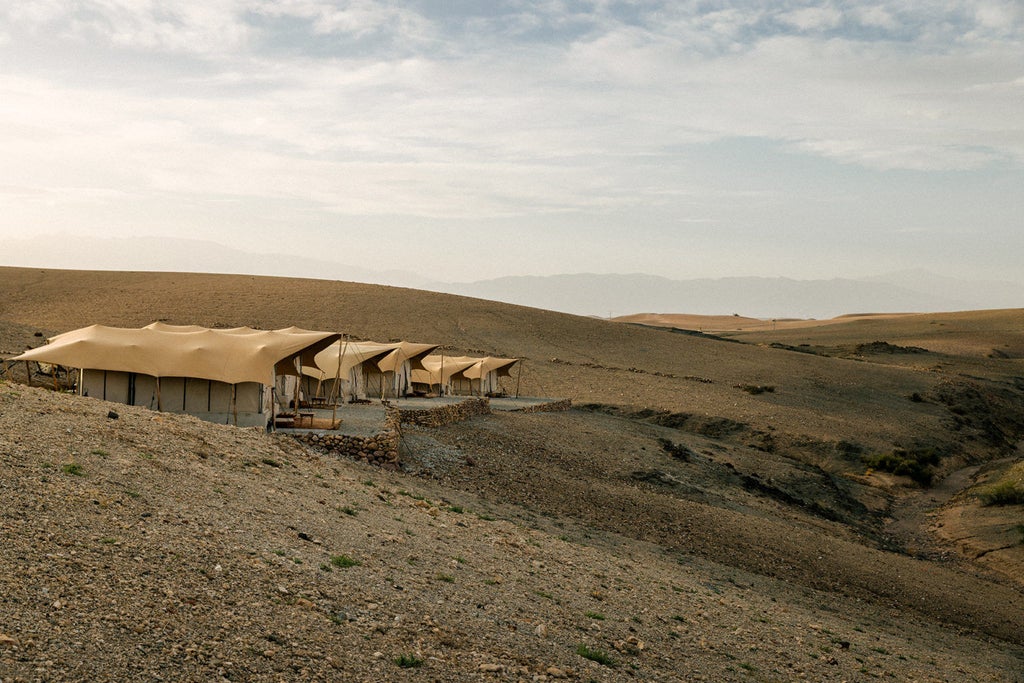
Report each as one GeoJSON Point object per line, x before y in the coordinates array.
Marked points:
{"type": "Point", "coordinates": [552, 407]}
{"type": "Point", "coordinates": [446, 414]}
{"type": "Point", "coordinates": [381, 449]}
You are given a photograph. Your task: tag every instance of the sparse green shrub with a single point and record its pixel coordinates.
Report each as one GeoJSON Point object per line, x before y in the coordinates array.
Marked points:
{"type": "Point", "coordinates": [1004, 493]}
{"type": "Point", "coordinates": [916, 464]}
{"type": "Point", "coordinates": [350, 511]}
{"type": "Point", "coordinates": [594, 615]}
{"type": "Point", "coordinates": [456, 509]}
{"type": "Point", "coordinates": [447, 578]}
{"type": "Point", "coordinates": [344, 561]}
{"type": "Point", "coordinates": [100, 452]}
{"type": "Point", "coordinates": [595, 655]}
{"type": "Point", "coordinates": [755, 389]}
{"type": "Point", "coordinates": [73, 468]}
{"type": "Point", "coordinates": [408, 661]}
{"type": "Point", "coordinates": [271, 462]}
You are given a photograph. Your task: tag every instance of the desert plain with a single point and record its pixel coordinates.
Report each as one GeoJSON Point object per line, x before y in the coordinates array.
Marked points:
{"type": "Point", "coordinates": [728, 500]}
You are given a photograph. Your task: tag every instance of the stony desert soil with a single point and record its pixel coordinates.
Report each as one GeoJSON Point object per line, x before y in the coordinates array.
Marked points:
{"type": "Point", "coordinates": [685, 520]}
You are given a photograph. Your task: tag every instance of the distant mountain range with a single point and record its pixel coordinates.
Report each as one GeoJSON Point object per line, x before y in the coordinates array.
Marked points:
{"type": "Point", "coordinates": [601, 295]}
{"type": "Point", "coordinates": [756, 297]}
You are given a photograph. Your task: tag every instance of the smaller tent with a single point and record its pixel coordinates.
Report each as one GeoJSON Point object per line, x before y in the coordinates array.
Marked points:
{"type": "Point", "coordinates": [437, 373]}
{"type": "Point", "coordinates": [465, 375]}
{"type": "Point", "coordinates": [349, 369]}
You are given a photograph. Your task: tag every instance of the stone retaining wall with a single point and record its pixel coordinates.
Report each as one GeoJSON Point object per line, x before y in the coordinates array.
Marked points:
{"type": "Point", "coordinates": [380, 449]}
{"type": "Point", "coordinates": [446, 414]}
{"type": "Point", "coordinates": [553, 407]}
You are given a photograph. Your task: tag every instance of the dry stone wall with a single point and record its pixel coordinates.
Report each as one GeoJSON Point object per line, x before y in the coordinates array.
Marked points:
{"type": "Point", "coordinates": [380, 449]}
{"type": "Point", "coordinates": [553, 407]}
{"type": "Point", "coordinates": [447, 414]}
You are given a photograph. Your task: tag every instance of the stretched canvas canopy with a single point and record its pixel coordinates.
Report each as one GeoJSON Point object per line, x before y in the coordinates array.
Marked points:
{"type": "Point", "coordinates": [500, 366]}
{"type": "Point", "coordinates": [339, 358]}
{"type": "Point", "coordinates": [440, 369]}
{"type": "Point", "coordinates": [231, 356]}
{"type": "Point", "coordinates": [361, 366]}
{"type": "Point", "coordinates": [468, 373]}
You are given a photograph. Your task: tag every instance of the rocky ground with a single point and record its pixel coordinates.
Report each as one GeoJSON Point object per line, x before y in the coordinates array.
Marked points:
{"type": "Point", "coordinates": [158, 547]}
{"type": "Point", "coordinates": [707, 513]}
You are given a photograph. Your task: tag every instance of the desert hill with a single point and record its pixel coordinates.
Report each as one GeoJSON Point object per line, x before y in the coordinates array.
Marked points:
{"type": "Point", "coordinates": [693, 464]}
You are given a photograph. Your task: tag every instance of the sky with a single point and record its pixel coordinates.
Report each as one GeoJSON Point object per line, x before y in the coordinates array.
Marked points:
{"type": "Point", "coordinates": [478, 139]}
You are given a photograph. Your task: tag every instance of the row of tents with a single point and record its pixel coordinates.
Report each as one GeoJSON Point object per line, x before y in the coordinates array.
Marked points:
{"type": "Point", "coordinates": [246, 376]}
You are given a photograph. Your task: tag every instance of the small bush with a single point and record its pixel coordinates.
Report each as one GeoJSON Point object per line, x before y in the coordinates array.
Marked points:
{"type": "Point", "coordinates": [408, 661]}
{"type": "Point", "coordinates": [755, 389]}
{"type": "Point", "coordinates": [73, 468]}
{"type": "Point", "coordinates": [594, 655]}
{"type": "Point", "coordinates": [594, 615]}
{"type": "Point", "coordinates": [916, 464]}
{"type": "Point", "coordinates": [344, 561]}
{"type": "Point", "coordinates": [1004, 493]}
{"type": "Point", "coordinates": [271, 462]}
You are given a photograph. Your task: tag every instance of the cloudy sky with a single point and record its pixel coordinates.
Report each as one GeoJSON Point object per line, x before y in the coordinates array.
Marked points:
{"type": "Point", "coordinates": [473, 139]}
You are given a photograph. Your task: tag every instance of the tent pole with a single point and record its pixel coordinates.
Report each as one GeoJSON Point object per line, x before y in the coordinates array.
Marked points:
{"type": "Point", "coordinates": [273, 406]}
{"type": "Point", "coordinates": [519, 377]}
{"type": "Point", "coordinates": [159, 404]}
{"type": "Point", "coordinates": [234, 402]}
{"type": "Point", "coordinates": [28, 372]}
{"type": "Point", "coordinates": [334, 387]}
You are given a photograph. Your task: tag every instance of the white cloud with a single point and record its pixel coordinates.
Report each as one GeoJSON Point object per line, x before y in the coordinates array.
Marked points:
{"type": "Point", "coordinates": [529, 110]}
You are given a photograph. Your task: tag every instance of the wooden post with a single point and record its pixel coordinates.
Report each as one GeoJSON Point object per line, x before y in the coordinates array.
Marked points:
{"type": "Point", "coordinates": [519, 377]}
{"type": "Point", "coordinates": [28, 372]}
{"type": "Point", "coordinates": [159, 403]}
{"type": "Point", "coordinates": [273, 406]}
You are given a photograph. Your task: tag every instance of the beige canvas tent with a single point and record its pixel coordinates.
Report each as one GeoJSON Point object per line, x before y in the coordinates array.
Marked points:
{"type": "Point", "coordinates": [464, 374]}
{"type": "Point", "coordinates": [437, 373]}
{"type": "Point", "coordinates": [221, 375]}
{"type": "Point", "coordinates": [349, 369]}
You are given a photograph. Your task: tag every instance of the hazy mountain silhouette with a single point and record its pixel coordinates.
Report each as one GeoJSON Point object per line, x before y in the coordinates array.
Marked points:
{"type": "Point", "coordinates": [613, 295]}
{"type": "Point", "coordinates": [603, 295]}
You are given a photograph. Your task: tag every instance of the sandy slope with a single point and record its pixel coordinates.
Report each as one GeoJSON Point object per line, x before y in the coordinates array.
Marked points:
{"type": "Point", "coordinates": [788, 548]}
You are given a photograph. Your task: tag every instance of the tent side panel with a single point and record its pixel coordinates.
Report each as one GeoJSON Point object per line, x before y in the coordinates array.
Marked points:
{"type": "Point", "coordinates": [197, 395]}
{"type": "Point", "coordinates": [94, 384]}
{"type": "Point", "coordinates": [172, 394]}
{"type": "Point", "coordinates": [248, 397]}
{"type": "Point", "coordinates": [118, 387]}
{"type": "Point", "coordinates": [142, 388]}
{"type": "Point", "coordinates": [220, 398]}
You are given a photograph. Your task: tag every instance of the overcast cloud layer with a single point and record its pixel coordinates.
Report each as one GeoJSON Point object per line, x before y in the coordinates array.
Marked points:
{"type": "Point", "coordinates": [466, 140]}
